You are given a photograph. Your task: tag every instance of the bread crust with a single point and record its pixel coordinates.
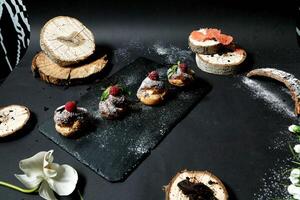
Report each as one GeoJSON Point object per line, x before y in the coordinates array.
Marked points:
{"type": "Point", "coordinates": [290, 81]}
{"type": "Point", "coordinates": [220, 69]}
{"type": "Point", "coordinates": [207, 50]}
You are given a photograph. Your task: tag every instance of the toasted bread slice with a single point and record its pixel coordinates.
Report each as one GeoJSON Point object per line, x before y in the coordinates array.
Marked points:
{"type": "Point", "coordinates": [12, 119]}
{"type": "Point", "coordinates": [224, 64]}
{"type": "Point", "coordinates": [173, 192]}
{"type": "Point", "coordinates": [209, 45]}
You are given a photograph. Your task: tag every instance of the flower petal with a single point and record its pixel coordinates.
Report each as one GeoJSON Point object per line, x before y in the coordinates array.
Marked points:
{"type": "Point", "coordinates": [297, 148]}
{"type": "Point", "coordinates": [294, 180]}
{"type": "Point", "coordinates": [296, 196]}
{"type": "Point", "coordinates": [46, 192]}
{"type": "Point", "coordinates": [33, 166]}
{"type": "Point", "coordinates": [29, 181]}
{"type": "Point", "coordinates": [64, 183]}
{"type": "Point", "coordinates": [295, 173]}
{"type": "Point", "coordinates": [293, 190]}
{"type": "Point", "coordinates": [48, 159]}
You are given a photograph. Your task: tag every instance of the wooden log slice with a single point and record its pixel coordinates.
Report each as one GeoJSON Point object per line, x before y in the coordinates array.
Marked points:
{"type": "Point", "coordinates": [66, 40]}
{"type": "Point", "coordinates": [51, 72]}
{"type": "Point", "coordinates": [290, 81]}
{"type": "Point", "coordinates": [12, 119]}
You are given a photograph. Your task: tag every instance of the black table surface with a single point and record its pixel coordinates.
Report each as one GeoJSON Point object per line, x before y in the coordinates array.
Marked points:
{"type": "Point", "coordinates": [229, 132]}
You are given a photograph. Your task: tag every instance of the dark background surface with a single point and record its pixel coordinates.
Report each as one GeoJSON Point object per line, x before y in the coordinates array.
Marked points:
{"type": "Point", "coordinates": [229, 132]}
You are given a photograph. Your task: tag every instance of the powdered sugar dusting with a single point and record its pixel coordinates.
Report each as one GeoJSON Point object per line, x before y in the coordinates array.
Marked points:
{"type": "Point", "coordinates": [172, 53]}
{"type": "Point", "coordinates": [275, 102]}
{"type": "Point", "coordinates": [274, 180]}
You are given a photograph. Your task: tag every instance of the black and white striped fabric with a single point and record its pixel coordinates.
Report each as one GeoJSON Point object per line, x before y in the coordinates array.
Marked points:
{"type": "Point", "coordinates": [14, 34]}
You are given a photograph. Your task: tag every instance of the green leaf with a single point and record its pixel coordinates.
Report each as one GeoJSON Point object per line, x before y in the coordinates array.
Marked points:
{"type": "Point", "coordinates": [172, 70]}
{"type": "Point", "coordinates": [80, 196]}
{"type": "Point", "coordinates": [294, 129]}
{"type": "Point", "coordinates": [105, 94]}
{"type": "Point", "coordinates": [124, 90]}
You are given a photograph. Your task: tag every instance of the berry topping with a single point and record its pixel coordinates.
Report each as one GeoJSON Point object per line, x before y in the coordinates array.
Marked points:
{"type": "Point", "coordinates": [70, 106]}
{"type": "Point", "coordinates": [153, 75]}
{"type": "Point", "coordinates": [114, 90]}
{"type": "Point", "coordinates": [183, 67]}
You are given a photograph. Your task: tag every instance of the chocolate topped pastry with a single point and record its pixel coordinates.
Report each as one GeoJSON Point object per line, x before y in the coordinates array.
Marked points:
{"type": "Point", "coordinates": [196, 191]}
{"type": "Point", "coordinates": [195, 185]}
{"type": "Point", "coordinates": [113, 103]}
{"type": "Point", "coordinates": [152, 90]}
{"type": "Point", "coordinates": [180, 75]}
{"type": "Point", "coordinates": [70, 119]}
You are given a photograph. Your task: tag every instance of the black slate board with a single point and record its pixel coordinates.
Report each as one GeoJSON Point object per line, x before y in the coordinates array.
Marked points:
{"type": "Point", "coordinates": [114, 148]}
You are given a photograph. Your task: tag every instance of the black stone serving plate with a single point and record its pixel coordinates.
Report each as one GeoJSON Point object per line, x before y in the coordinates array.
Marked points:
{"type": "Point", "coordinates": [113, 148]}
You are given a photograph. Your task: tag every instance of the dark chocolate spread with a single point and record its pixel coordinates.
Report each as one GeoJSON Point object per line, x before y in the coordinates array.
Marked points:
{"type": "Point", "coordinates": [196, 191]}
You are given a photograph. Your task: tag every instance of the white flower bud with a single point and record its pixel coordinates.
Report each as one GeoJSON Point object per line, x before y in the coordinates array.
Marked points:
{"type": "Point", "coordinates": [294, 128]}
{"type": "Point", "coordinates": [296, 196]}
{"type": "Point", "coordinates": [295, 173]}
{"type": "Point", "coordinates": [293, 190]}
{"type": "Point", "coordinates": [297, 148]}
{"type": "Point", "coordinates": [294, 180]}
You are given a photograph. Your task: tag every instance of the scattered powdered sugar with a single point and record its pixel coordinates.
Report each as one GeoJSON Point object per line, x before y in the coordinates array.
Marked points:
{"type": "Point", "coordinates": [274, 182]}
{"type": "Point", "coordinates": [273, 100]}
{"type": "Point", "coordinates": [282, 141]}
{"type": "Point", "coordinates": [172, 54]}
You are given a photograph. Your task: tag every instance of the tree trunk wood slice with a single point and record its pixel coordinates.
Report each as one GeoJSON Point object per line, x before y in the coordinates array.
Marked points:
{"type": "Point", "coordinates": [12, 119]}
{"type": "Point", "coordinates": [290, 81]}
{"type": "Point", "coordinates": [51, 72]}
{"type": "Point", "coordinates": [66, 40]}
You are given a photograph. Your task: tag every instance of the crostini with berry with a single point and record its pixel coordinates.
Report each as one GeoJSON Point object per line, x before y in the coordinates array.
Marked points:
{"type": "Point", "coordinates": [180, 75]}
{"type": "Point", "coordinates": [70, 119]}
{"type": "Point", "coordinates": [152, 90]}
{"type": "Point", "coordinates": [113, 102]}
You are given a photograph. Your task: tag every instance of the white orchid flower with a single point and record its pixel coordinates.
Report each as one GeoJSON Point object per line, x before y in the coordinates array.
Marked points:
{"type": "Point", "coordinates": [296, 196]}
{"type": "Point", "coordinates": [294, 180]}
{"type": "Point", "coordinates": [297, 148]}
{"type": "Point", "coordinates": [294, 128]}
{"type": "Point", "coordinates": [41, 172]}
{"type": "Point", "coordinates": [293, 190]}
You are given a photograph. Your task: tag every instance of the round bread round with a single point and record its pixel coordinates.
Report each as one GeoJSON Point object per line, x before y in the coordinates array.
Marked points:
{"type": "Point", "coordinates": [12, 119]}
{"type": "Point", "coordinates": [173, 192]}
{"type": "Point", "coordinates": [224, 64]}
{"type": "Point", "coordinates": [66, 40]}
{"type": "Point", "coordinates": [204, 47]}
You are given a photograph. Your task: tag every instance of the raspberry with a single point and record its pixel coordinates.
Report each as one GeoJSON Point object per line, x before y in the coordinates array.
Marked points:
{"type": "Point", "coordinates": [183, 67]}
{"type": "Point", "coordinates": [114, 90]}
{"type": "Point", "coordinates": [70, 106]}
{"type": "Point", "coordinates": [153, 75]}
